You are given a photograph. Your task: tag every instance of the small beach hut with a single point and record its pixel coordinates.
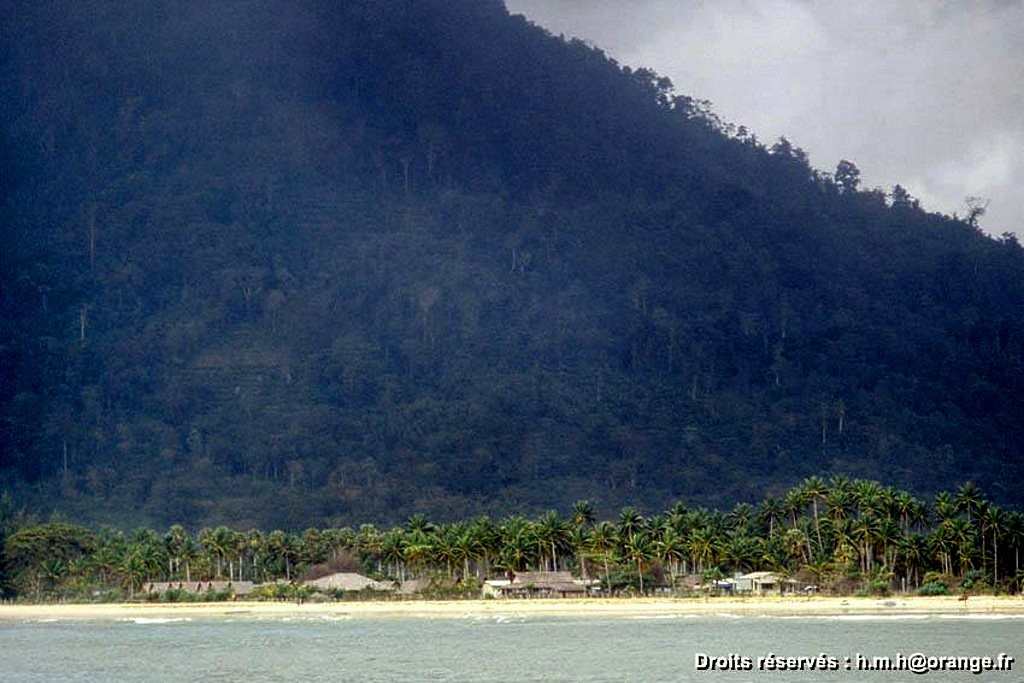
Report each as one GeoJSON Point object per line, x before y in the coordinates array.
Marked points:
{"type": "Point", "coordinates": [538, 585]}
{"type": "Point", "coordinates": [348, 581]}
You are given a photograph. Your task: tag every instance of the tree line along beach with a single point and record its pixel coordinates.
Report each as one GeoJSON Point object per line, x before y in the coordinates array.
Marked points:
{"type": "Point", "coordinates": [820, 541]}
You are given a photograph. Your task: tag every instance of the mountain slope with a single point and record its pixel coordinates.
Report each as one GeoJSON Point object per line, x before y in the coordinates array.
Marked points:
{"type": "Point", "coordinates": [278, 265]}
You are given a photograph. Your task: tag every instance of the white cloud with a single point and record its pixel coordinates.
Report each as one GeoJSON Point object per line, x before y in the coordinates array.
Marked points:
{"type": "Point", "coordinates": [928, 94]}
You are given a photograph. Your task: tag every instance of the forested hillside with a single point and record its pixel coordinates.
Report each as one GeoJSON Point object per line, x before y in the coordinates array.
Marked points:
{"type": "Point", "coordinates": [268, 263]}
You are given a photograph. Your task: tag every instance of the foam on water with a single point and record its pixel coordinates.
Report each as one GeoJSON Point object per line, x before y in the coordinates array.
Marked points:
{"type": "Point", "coordinates": [155, 620]}
{"type": "Point", "coordinates": [981, 617]}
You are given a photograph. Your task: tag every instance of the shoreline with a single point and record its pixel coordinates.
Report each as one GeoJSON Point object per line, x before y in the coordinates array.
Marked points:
{"type": "Point", "coordinates": [586, 607]}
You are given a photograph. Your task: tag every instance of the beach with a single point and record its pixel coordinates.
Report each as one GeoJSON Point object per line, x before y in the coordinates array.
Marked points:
{"type": "Point", "coordinates": [591, 607]}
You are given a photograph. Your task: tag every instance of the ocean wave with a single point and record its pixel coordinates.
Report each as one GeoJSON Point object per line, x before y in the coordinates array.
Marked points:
{"type": "Point", "coordinates": [155, 620]}
{"type": "Point", "coordinates": [849, 617]}
{"type": "Point", "coordinates": [981, 617]}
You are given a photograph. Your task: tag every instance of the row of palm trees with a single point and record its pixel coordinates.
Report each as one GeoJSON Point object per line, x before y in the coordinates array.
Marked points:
{"type": "Point", "coordinates": [839, 528]}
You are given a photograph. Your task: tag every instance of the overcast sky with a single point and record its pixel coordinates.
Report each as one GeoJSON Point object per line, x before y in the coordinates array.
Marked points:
{"type": "Point", "coordinates": [929, 94]}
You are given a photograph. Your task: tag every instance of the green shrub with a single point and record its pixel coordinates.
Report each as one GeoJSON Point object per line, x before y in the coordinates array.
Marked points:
{"type": "Point", "coordinates": [933, 588]}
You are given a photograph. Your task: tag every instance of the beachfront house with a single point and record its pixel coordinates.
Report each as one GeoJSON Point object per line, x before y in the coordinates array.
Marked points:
{"type": "Point", "coordinates": [536, 585]}
{"type": "Point", "coordinates": [495, 588]}
{"type": "Point", "coordinates": [763, 583]}
{"type": "Point", "coordinates": [758, 583]}
{"type": "Point", "coordinates": [348, 581]}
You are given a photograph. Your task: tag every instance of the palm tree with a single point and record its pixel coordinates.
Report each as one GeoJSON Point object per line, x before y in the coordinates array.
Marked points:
{"type": "Point", "coordinates": [1015, 536]}
{"type": "Point", "coordinates": [841, 483]}
{"type": "Point", "coordinates": [175, 542]}
{"type": "Point", "coordinates": [393, 551]}
{"type": "Point", "coordinates": [211, 541]}
{"type": "Point", "coordinates": [961, 533]}
{"type": "Point", "coordinates": [463, 542]}
{"type": "Point", "coordinates": [968, 499]}
{"type": "Point", "coordinates": [552, 534]}
{"type": "Point", "coordinates": [995, 520]}
{"type": "Point", "coordinates": [583, 513]}
{"type": "Point", "coordinates": [888, 534]}
{"type": "Point", "coordinates": [517, 543]}
{"type": "Point", "coordinates": [604, 540]}
{"type": "Point", "coordinates": [941, 546]}
{"type": "Point", "coordinates": [630, 522]}
{"type": "Point", "coordinates": [741, 551]}
{"type": "Point", "coordinates": [445, 547]}
{"type": "Point", "coordinates": [235, 547]}
{"type": "Point", "coordinates": [313, 549]}
{"type": "Point", "coordinates": [945, 507]}
{"type": "Point", "coordinates": [670, 548]}
{"type": "Point", "coordinates": [419, 522]}
{"type": "Point", "coordinates": [418, 549]}
{"type": "Point", "coordinates": [339, 540]}
{"type": "Point", "coordinates": [794, 503]}
{"type": "Point", "coordinates": [904, 504]}
{"type": "Point", "coordinates": [150, 548]}
{"type": "Point", "coordinates": [107, 560]}
{"type": "Point", "coordinates": [702, 547]}
{"type": "Point", "coordinates": [864, 530]}
{"type": "Point", "coordinates": [486, 543]}
{"type": "Point", "coordinates": [368, 543]}
{"type": "Point", "coordinates": [579, 542]}
{"type": "Point", "coordinates": [868, 496]}
{"type": "Point", "coordinates": [741, 517]}
{"type": "Point", "coordinates": [53, 570]}
{"type": "Point", "coordinates": [914, 551]}
{"type": "Point", "coordinates": [639, 550]}
{"type": "Point", "coordinates": [815, 488]}
{"type": "Point", "coordinates": [772, 510]}
{"type": "Point", "coordinates": [917, 517]}
{"type": "Point", "coordinates": [255, 550]}
{"type": "Point", "coordinates": [280, 549]}
{"type": "Point", "coordinates": [796, 544]}
{"type": "Point", "coordinates": [133, 568]}
{"type": "Point", "coordinates": [677, 513]}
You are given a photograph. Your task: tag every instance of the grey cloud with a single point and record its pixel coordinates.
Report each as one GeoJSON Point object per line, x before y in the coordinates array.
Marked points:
{"type": "Point", "coordinates": [926, 94]}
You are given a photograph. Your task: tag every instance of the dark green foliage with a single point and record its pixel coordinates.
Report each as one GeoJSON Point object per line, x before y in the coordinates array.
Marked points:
{"type": "Point", "coordinates": [39, 557]}
{"type": "Point", "coordinates": [277, 264]}
{"type": "Point", "coordinates": [933, 588]}
{"type": "Point", "coordinates": [841, 536]}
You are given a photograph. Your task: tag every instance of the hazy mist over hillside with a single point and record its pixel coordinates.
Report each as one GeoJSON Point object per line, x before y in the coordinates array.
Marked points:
{"type": "Point", "coordinates": [926, 94]}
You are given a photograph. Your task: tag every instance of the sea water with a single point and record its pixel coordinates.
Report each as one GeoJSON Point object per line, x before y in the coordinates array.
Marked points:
{"type": "Point", "coordinates": [507, 647]}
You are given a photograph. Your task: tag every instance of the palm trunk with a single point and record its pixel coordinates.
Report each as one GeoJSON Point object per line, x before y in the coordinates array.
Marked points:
{"type": "Point", "coordinates": [995, 559]}
{"type": "Point", "coordinates": [817, 527]}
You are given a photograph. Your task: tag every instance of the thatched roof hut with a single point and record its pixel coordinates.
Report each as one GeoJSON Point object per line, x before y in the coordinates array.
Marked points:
{"type": "Point", "coordinates": [348, 581]}
{"type": "Point", "coordinates": [539, 584]}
